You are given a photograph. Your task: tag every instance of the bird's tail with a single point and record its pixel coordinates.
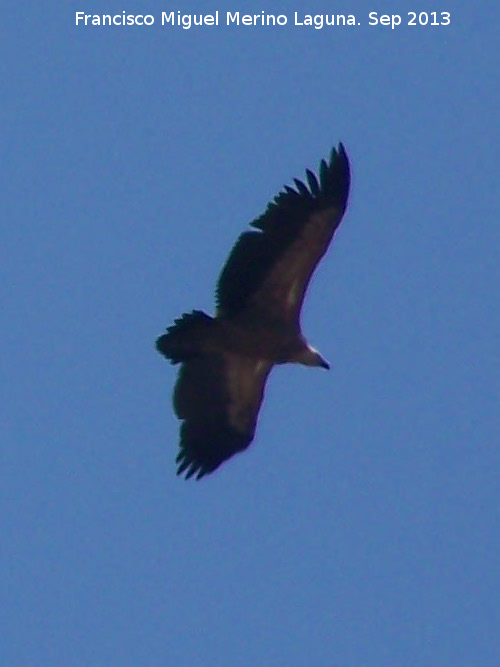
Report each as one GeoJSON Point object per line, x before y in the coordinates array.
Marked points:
{"type": "Point", "coordinates": [184, 339]}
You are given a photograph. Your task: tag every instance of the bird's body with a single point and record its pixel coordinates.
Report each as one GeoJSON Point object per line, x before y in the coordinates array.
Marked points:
{"type": "Point", "coordinates": [226, 359]}
{"type": "Point", "coordinates": [272, 341]}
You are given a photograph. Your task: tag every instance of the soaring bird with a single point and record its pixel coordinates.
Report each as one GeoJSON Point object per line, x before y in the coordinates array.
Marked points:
{"type": "Point", "coordinates": [225, 360]}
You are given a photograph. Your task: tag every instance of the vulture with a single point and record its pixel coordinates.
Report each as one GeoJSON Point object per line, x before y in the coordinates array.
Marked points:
{"type": "Point", "coordinates": [225, 360]}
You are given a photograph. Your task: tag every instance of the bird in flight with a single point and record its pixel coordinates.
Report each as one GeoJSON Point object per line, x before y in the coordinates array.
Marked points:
{"type": "Point", "coordinates": [225, 360]}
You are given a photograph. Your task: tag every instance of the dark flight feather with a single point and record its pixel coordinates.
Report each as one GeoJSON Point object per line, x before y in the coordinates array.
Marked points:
{"type": "Point", "coordinates": [313, 183]}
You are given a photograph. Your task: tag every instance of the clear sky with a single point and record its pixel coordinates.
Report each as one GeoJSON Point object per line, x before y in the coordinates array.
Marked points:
{"type": "Point", "coordinates": [362, 526]}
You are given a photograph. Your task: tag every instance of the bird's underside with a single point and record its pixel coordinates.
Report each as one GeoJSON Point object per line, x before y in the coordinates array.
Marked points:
{"type": "Point", "coordinates": [225, 360]}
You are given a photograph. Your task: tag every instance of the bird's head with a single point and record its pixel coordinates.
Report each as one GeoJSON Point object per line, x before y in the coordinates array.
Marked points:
{"type": "Point", "coordinates": [308, 356]}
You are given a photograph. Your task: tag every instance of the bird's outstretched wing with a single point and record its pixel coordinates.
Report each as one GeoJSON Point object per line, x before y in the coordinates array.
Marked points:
{"type": "Point", "coordinates": [218, 397]}
{"type": "Point", "coordinates": [268, 270]}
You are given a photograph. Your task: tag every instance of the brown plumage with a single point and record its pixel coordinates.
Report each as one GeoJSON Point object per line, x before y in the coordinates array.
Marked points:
{"type": "Point", "coordinates": [226, 359]}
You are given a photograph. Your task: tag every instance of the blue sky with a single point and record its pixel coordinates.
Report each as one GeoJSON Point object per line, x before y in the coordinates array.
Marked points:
{"type": "Point", "coordinates": [362, 526]}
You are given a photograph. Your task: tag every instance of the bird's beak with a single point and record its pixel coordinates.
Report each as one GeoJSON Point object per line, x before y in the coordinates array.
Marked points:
{"type": "Point", "coordinates": [324, 364]}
